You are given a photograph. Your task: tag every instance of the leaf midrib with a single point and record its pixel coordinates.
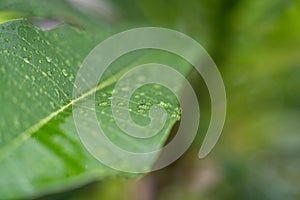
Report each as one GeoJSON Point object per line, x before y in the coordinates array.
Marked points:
{"type": "Point", "coordinates": [22, 137]}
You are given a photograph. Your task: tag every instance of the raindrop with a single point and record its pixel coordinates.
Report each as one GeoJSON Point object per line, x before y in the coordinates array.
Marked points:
{"type": "Point", "coordinates": [6, 39]}
{"type": "Point", "coordinates": [175, 116]}
{"type": "Point", "coordinates": [142, 107]}
{"type": "Point", "coordinates": [48, 59]}
{"type": "Point", "coordinates": [65, 73]}
{"type": "Point", "coordinates": [26, 60]}
{"type": "Point", "coordinates": [49, 73]}
{"type": "Point", "coordinates": [71, 77]}
{"type": "Point", "coordinates": [178, 110]}
{"type": "Point", "coordinates": [104, 103]}
{"type": "Point", "coordinates": [24, 49]}
{"type": "Point", "coordinates": [163, 104]}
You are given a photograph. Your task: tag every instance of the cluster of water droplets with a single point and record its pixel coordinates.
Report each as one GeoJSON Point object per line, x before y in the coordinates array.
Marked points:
{"type": "Point", "coordinates": [141, 103]}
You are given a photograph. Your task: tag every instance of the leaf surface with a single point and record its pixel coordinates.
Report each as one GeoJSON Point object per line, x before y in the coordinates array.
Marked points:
{"type": "Point", "coordinates": [40, 150]}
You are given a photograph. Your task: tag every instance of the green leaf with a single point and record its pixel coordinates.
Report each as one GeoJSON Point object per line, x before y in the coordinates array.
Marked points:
{"type": "Point", "coordinates": [56, 9]}
{"type": "Point", "coordinates": [40, 150]}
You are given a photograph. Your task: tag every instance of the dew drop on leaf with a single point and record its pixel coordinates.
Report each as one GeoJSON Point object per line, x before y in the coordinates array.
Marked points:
{"type": "Point", "coordinates": [104, 103]}
{"type": "Point", "coordinates": [48, 59]}
{"type": "Point", "coordinates": [64, 72]}
{"type": "Point", "coordinates": [26, 60]}
{"type": "Point", "coordinates": [44, 73]}
{"type": "Point", "coordinates": [163, 104]}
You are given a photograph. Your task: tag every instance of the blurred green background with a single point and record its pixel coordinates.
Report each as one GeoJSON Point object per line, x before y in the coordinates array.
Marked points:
{"type": "Point", "coordinates": [256, 45]}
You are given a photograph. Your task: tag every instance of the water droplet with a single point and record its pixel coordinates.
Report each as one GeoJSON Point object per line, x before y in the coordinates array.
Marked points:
{"type": "Point", "coordinates": [26, 60]}
{"type": "Point", "coordinates": [6, 39]}
{"type": "Point", "coordinates": [71, 77]}
{"type": "Point", "coordinates": [48, 59]}
{"type": "Point", "coordinates": [163, 104]}
{"type": "Point", "coordinates": [24, 49]}
{"type": "Point", "coordinates": [175, 116]}
{"type": "Point", "coordinates": [142, 107]}
{"type": "Point", "coordinates": [104, 103]}
{"type": "Point", "coordinates": [177, 113]}
{"type": "Point", "coordinates": [65, 73]}
{"type": "Point", "coordinates": [178, 110]}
